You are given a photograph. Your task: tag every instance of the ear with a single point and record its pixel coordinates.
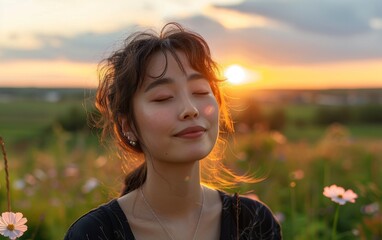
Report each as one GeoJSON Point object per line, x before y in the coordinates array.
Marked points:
{"type": "Point", "coordinates": [123, 123]}
{"type": "Point", "coordinates": [126, 128]}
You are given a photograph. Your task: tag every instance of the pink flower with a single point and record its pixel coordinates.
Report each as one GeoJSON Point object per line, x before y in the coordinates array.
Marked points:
{"type": "Point", "coordinates": [12, 225]}
{"type": "Point", "coordinates": [339, 195]}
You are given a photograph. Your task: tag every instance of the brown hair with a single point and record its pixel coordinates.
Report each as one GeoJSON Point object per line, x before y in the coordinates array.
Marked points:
{"type": "Point", "coordinates": [122, 74]}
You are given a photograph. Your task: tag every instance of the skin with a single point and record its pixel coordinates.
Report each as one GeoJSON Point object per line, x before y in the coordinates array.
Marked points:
{"type": "Point", "coordinates": [177, 118]}
{"type": "Point", "coordinates": [167, 106]}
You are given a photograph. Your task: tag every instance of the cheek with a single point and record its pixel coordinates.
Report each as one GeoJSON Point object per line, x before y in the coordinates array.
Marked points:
{"type": "Point", "coordinates": [152, 120]}
{"type": "Point", "coordinates": [211, 111]}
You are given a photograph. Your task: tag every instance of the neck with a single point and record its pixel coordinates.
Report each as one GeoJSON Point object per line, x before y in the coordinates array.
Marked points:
{"type": "Point", "coordinates": [173, 189]}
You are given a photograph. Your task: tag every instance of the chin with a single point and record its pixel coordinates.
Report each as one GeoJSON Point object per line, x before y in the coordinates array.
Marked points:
{"type": "Point", "coordinates": [194, 156]}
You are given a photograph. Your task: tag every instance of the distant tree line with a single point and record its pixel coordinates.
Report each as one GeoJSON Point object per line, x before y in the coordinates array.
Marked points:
{"type": "Point", "coordinates": [277, 118]}
{"type": "Point", "coordinates": [359, 114]}
{"type": "Point", "coordinates": [254, 116]}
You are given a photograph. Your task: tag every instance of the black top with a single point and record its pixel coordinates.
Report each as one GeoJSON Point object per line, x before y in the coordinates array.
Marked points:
{"type": "Point", "coordinates": [255, 221]}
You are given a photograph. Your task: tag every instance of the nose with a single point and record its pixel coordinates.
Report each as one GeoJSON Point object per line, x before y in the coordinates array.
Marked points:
{"type": "Point", "coordinates": [189, 110]}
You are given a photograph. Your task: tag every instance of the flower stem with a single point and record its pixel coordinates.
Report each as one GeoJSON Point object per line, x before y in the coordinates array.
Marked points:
{"type": "Point", "coordinates": [293, 206]}
{"type": "Point", "coordinates": [6, 173]}
{"type": "Point", "coordinates": [335, 221]}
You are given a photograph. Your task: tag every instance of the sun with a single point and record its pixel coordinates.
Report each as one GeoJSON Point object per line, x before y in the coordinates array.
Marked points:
{"type": "Point", "coordinates": [235, 74]}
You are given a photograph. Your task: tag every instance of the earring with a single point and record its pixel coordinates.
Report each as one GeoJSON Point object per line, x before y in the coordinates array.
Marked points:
{"type": "Point", "coordinates": [131, 142]}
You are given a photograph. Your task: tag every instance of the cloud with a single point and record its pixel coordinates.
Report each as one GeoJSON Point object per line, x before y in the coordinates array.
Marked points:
{"type": "Point", "coordinates": [280, 45]}
{"type": "Point", "coordinates": [340, 17]}
{"type": "Point", "coordinates": [85, 47]}
{"type": "Point", "coordinates": [302, 32]}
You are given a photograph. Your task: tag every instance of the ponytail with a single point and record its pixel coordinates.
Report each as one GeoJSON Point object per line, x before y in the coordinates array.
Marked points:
{"type": "Point", "coordinates": [135, 179]}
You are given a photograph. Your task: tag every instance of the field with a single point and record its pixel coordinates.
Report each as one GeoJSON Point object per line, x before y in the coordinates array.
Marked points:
{"type": "Point", "coordinates": [59, 171]}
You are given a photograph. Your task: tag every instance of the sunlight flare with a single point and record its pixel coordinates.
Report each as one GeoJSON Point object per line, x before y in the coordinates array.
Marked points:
{"type": "Point", "coordinates": [235, 74]}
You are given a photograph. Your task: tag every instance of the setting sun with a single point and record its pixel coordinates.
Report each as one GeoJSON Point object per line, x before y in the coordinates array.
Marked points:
{"type": "Point", "coordinates": [235, 74]}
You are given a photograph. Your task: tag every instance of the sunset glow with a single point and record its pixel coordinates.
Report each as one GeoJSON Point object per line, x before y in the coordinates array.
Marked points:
{"type": "Point", "coordinates": [48, 74]}
{"type": "Point", "coordinates": [360, 74]}
{"type": "Point", "coordinates": [356, 74]}
{"type": "Point", "coordinates": [264, 49]}
{"type": "Point", "coordinates": [235, 74]}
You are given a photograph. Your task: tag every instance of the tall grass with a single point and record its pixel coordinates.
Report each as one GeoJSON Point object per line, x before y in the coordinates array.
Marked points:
{"type": "Point", "coordinates": [298, 171]}
{"type": "Point", "coordinates": [58, 175]}
{"type": "Point", "coordinates": [56, 182]}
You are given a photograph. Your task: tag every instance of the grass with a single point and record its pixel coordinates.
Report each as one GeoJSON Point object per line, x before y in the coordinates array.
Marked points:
{"type": "Point", "coordinates": [314, 133]}
{"type": "Point", "coordinates": [28, 118]}
{"type": "Point", "coordinates": [58, 175]}
{"type": "Point", "coordinates": [298, 172]}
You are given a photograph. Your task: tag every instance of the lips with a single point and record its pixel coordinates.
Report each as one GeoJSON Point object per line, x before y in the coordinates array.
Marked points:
{"type": "Point", "coordinates": [191, 132]}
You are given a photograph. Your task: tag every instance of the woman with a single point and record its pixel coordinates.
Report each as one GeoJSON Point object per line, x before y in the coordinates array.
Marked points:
{"type": "Point", "coordinates": [159, 98]}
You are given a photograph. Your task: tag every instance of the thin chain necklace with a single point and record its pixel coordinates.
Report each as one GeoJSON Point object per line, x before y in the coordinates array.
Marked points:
{"type": "Point", "coordinates": [163, 225]}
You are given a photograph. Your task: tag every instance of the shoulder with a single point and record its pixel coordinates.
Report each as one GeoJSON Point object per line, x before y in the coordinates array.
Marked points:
{"type": "Point", "coordinates": [254, 218]}
{"type": "Point", "coordinates": [103, 222]}
{"type": "Point", "coordinates": [247, 206]}
{"type": "Point", "coordinates": [252, 207]}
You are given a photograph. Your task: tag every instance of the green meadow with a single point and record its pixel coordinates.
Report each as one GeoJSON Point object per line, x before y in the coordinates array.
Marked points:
{"type": "Point", "coordinates": [59, 170]}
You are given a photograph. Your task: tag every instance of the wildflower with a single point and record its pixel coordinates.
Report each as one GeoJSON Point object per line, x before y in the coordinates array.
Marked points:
{"type": "Point", "coordinates": [19, 184]}
{"type": "Point", "coordinates": [72, 171]}
{"type": "Point", "coordinates": [339, 195]}
{"type": "Point", "coordinates": [90, 184]}
{"type": "Point", "coordinates": [101, 161]}
{"type": "Point", "coordinates": [40, 174]}
{"type": "Point", "coordinates": [12, 225]}
{"type": "Point", "coordinates": [298, 174]}
{"type": "Point", "coordinates": [278, 137]}
{"type": "Point", "coordinates": [30, 179]}
{"type": "Point", "coordinates": [370, 208]}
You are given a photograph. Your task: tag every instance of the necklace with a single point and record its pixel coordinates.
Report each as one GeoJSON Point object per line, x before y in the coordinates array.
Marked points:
{"type": "Point", "coordinates": [163, 225]}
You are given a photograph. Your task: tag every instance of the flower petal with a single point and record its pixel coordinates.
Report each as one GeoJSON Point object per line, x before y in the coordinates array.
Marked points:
{"type": "Point", "coordinates": [21, 228]}
{"type": "Point", "coordinates": [336, 189]}
{"type": "Point", "coordinates": [350, 196]}
{"type": "Point", "coordinates": [7, 217]}
{"type": "Point", "coordinates": [333, 191]}
{"type": "Point", "coordinates": [2, 222]}
{"type": "Point", "coordinates": [10, 234]}
{"type": "Point", "coordinates": [18, 233]}
{"type": "Point", "coordinates": [340, 201]}
{"type": "Point", "coordinates": [339, 195]}
{"type": "Point", "coordinates": [21, 222]}
{"type": "Point", "coordinates": [18, 216]}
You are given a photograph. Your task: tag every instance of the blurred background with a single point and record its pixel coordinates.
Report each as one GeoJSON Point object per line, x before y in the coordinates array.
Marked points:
{"type": "Point", "coordinates": [304, 79]}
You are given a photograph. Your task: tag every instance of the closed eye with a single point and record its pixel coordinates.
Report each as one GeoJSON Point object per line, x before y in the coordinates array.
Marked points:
{"type": "Point", "coordinates": [201, 93]}
{"type": "Point", "coordinates": [162, 99]}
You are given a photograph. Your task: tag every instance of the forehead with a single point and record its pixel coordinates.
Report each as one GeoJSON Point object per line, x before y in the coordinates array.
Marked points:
{"type": "Point", "coordinates": [162, 62]}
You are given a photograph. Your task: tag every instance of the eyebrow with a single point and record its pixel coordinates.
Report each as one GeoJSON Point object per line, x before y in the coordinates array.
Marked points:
{"type": "Point", "coordinates": [163, 81]}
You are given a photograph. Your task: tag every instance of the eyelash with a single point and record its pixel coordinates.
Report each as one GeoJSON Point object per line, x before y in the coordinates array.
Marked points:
{"type": "Point", "coordinates": [168, 98]}
{"type": "Point", "coordinates": [162, 99]}
{"type": "Point", "coordinates": [201, 93]}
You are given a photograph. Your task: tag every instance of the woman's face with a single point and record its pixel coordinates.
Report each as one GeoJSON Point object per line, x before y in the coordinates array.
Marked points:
{"type": "Point", "coordinates": [177, 115]}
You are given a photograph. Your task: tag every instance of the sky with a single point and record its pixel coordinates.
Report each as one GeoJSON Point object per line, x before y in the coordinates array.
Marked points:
{"type": "Point", "coordinates": [295, 44]}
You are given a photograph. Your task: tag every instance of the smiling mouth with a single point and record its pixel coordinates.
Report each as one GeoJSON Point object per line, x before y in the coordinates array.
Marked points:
{"type": "Point", "coordinates": [191, 132]}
